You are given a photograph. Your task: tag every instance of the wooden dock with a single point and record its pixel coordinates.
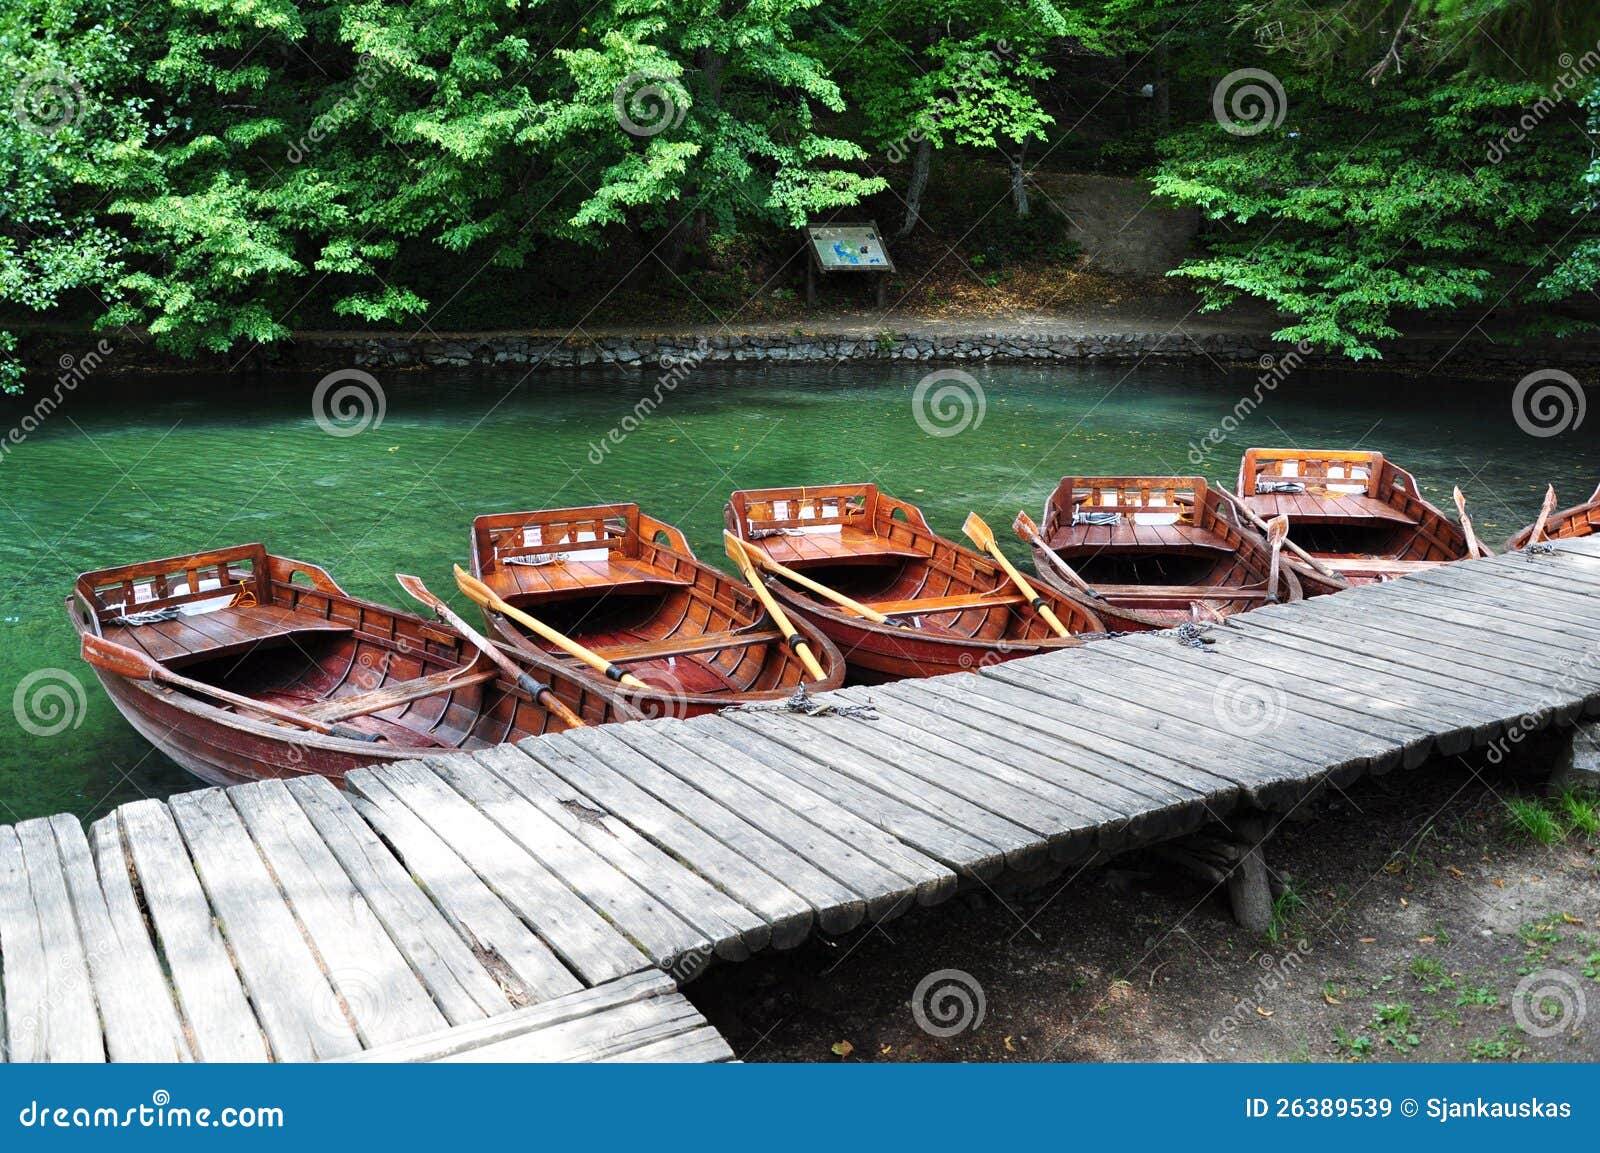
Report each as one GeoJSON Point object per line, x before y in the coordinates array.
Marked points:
{"type": "Point", "coordinates": [544, 901]}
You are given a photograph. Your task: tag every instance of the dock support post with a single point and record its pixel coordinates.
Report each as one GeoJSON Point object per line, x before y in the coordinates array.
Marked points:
{"type": "Point", "coordinates": [1234, 859]}
{"type": "Point", "coordinates": [1249, 892]}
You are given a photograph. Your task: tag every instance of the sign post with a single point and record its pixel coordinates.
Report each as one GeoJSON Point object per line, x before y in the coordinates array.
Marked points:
{"type": "Point", "coordinates": [851, 248]}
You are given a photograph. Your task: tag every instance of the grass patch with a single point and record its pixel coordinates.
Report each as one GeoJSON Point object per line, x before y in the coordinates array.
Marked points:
{"type": "Point", "coordinates": [1351, 1046]}
{"type": "Point", "coordinates": [1286, 907]}
{"type": "Point", "coordinates": [1502, 1047]}
{"type": "Point", "coordinates": [1478, 996]}
{"type": "Point", "coordinates": [1397, 1024]}
{"type": "Point", "coordinates": [1530, 821]}
{"type": "Point", "coordinates": [1579, 810]}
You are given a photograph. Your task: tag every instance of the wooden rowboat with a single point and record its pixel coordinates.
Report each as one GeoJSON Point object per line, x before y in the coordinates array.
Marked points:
{"type": "Point", "coordinates": [1360, 516]}
{"type": "Point", "coordinates": [1583, 520]}
{"type": "Point", "coordinates": [297, 654]}
{"type": "Point", "coordinates": [629, 588]}
{"type": "Point", "coordinates": [1157, 551]}
{"type": "Point", "coordinates": [949, 607]}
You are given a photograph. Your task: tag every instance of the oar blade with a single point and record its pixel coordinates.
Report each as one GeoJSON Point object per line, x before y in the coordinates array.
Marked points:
{"type": "Point", "coordinates": [117, 659]}
{"type": "Point", "coordinates": [1024, 527]}
{"type": "Point", "coordinates": [416, 589]}
{"type": "Point", "coordinates": [1278, 530]}
{"type": "Point", "coordinates": [978, 532]}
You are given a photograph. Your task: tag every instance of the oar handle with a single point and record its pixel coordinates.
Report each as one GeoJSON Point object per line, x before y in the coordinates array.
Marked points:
{"type": "Point", "coordinates": [542, 693]}
{"type": "Point", "coordinates": [983, 537]}
{"type": "Point", "coordinates": [764, 561]}
{"type": "Point", "coordinates": [487, 597]}
{"type": "Point", "coordinates": [791, 637]}
{"type": "Point", "coordinates": [1254, 518]}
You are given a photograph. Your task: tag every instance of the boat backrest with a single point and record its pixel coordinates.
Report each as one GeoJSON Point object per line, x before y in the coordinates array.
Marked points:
{"type": "Point", "coordinates": [1319, 471]}
{"type": "Point", "coordinates": [1139, 499]}
{"type": "Point", "coordinates": [828, 509]}
{"type": "Point", "coordinates": [592, 532]}
{"type": "Point", "coordinates": [191, 584]}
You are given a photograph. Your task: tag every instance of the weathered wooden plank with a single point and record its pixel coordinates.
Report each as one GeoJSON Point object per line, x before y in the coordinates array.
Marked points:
{"type": "Point", "coordinates": [22, 957]}
{"type": "Point", "coordinates": [911, 780]}
{"type": "Point", "coordinates": [463, 988]}
{"type": "Point", "coordinates": [1270, 782]}
{"type": "Point", "coordinates": [918, 713]}
{"type": "Point", "coordinates": [1344, 752]}
{"type": "Point", "coordinates": [71, 1020]}
{"type": "Point", "coordinates": [632, 909]}
{"type": "Point", "coordinates": [577, 934]}
{"type": "Point", "coordinates": [933, 882]}
{"type": "Point", "coordinates": [303, 1017]}
{"type": "Point", "coordinates": [1043, 738]}
{"type": "Point", "coordinates": [640, 1009]}
{"type": "Point", "coordinates": [1328, 699]}
{"type": "Point", "coordinates": [835, 907]}
{"type": "Point", "coordinates": [733, 930]}
{"type": "Point", "coordinates": [937, 838]}
{"type": "Point", "coordinates": [220, 1023]}
{"type": "Point", "coordinates": [523, 965]}
{"type": "Point", "coordinates": [381, 996]}
{"type": "Point", "coordinates": [700, 1045]}
{"type": "Point", "coordinates": [136, 1013]}
{"type": "Point", "coordinates": [707, 841]}
{"type": "Point", "coordinates": [803, 830]}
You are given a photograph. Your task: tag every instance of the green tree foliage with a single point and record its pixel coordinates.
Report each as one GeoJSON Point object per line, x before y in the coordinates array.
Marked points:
{"type": "Point", "coordinates": [213, 171]}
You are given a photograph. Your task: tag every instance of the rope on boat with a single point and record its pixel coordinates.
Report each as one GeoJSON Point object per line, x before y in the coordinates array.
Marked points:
{"type": "Point", "coordinates": [1283, 486]}
{"type": "Point", "coordinates": [1543, 548]}
{"type": "Point", "coordinates": [805, 705]}
{"type": "Point", "coordinates": [149, 616]}
{"type": "Point", "coordinates": [763, 533]}
{"type": "Point", "coordinates": [1081, 517]}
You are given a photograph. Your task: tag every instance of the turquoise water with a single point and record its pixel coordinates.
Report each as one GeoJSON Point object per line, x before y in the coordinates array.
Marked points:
{"type": "Point", "coordinates": [160, 466]}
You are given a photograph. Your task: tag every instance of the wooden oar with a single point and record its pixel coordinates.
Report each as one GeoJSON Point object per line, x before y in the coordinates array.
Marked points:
{"type": "Point", "coordinates": [740, 556]}
{"type": "Point", "coordinates": [135, 665]}
{"type": "Point", "coordinates": [1024, 527]}
{"type": "Point", "coordinates": [1474, 549]}
{"type": "Point", "coordinates": [538, 690]}
{"type": "Point", "coordinates": [981, 535]}
{"type": "Point", "coordinates": [1277, 533]}
{"type": "Point", "coordinates": [1544, 514]}
{"type": "Point", "coordinates": [489, 599]}
{"type": "Point", "coordinates": [1254, 518]}
{"type": "Point", "coordinates": [762, 560]}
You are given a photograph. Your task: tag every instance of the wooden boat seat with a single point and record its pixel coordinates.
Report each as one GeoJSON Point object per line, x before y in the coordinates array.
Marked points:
{"type": "Point", "coordinates": [849, 544]}
{"type": "Point", "coordinates": [575, 577]}
{"type": "Point", "coordinates": [1180, 592]}
{"type": "Point", "coordinates": [392, 696]}
{"type": "Point", "coordinates": [689, 646]}
{"type": "Point", "coordinates": [1326, 508]}
{"type": "Point", "coordinates": [1131, 536]}
{"type": "Point", "coordinates": [929, 606]}
{"type": "Point", "coordinates": [186, 639]}
{"type": "Point", "coordinates": [1375, 564]}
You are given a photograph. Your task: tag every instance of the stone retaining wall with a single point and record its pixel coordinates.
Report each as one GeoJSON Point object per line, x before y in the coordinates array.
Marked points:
{"type": "Point", "coordinates": [520, 353]}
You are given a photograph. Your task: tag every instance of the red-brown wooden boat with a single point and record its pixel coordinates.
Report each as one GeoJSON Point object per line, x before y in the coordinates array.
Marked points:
{"type": "Point", "coordinates": [1158, 551]}
{"type": "Point", "coordinates": [282, 633]}
{"type": "Point", "coordinates": [629, 587]}
{"type": "Point", "coordinates": [957, 609]}
{"type": "Point", "coordinates": [1583, 520]}
{"type": "Point", "coordinates": [1362, 517]}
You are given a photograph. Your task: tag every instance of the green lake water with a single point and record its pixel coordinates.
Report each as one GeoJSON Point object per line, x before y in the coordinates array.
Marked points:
{"type": "Point", "coordinates": [154, 467]}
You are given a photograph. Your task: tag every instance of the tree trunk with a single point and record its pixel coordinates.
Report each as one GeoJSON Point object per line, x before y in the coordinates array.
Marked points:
{"type": "Point", "coordinates": [921, 162]}
{"type": "Point", "coordinates": [1019, 181]}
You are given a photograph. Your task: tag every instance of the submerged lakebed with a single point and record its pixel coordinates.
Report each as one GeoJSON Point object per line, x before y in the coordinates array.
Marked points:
{"type": "Point", "coordinates": [155, 466]}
